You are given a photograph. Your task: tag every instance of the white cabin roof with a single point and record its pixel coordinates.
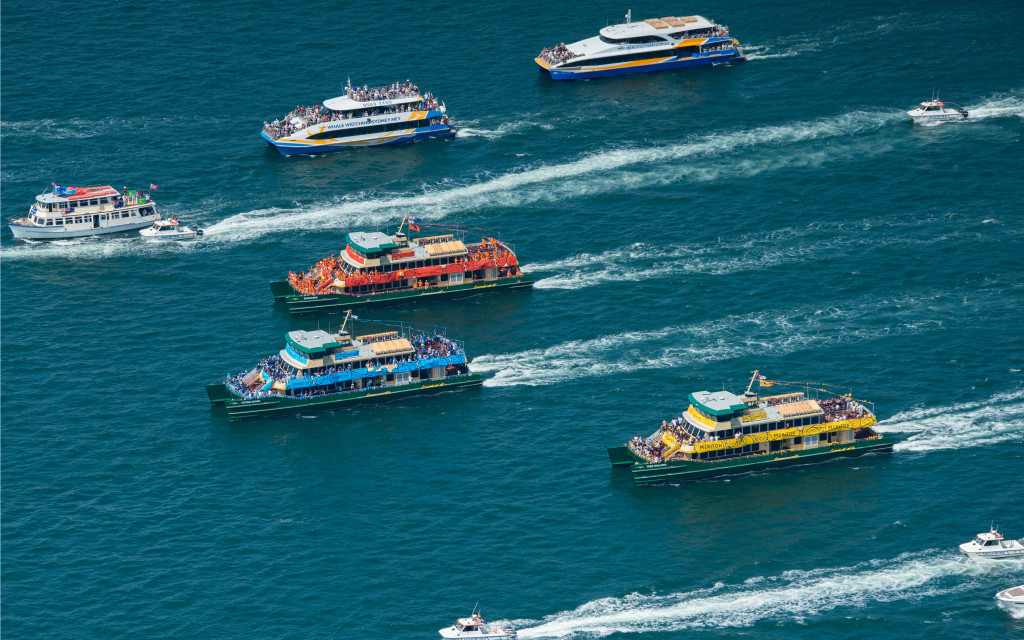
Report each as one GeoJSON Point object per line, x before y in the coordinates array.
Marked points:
{"type": "Point", "coordinates": [655, 26]}
{"type": "Point", "coordinates": [345, 103]}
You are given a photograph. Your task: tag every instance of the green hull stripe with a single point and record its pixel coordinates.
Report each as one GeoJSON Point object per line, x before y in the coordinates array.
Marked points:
{"type": "Point", "coordinates": [688, 470]}
{"type": "Point", "coordinates": [239, 409]}
{"type": "Point", "coordinates": [299, 304]}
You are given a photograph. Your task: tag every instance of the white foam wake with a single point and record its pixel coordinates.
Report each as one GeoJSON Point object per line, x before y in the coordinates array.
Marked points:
{"type": "Point", "coordinates": [999, 418]}
{"type": "Point", "coordinates": [736, 253]}
{"type": "Point", "coordinates": [744, 336]}
{"type": "Point", "coordinates": [1006, 106]}
{"type": "Point", "coordinates": [792, 596]}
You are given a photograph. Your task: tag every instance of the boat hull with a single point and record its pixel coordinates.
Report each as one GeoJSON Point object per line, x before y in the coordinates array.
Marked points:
{"type": "Point", "coordinates": [277, 405]}
{"type": "Point", "coordinates": [26, 232]}
{"type": "Point", "coordinates": [620, 70]}
{"type": "Point", "coordinates": [997, 554]}
{"type": "Point", "coordinates": [299, 304]}
{"type": "Point", "coordinates": [290, 147]}
{"type": "Point", "coordinates": [678, 471]}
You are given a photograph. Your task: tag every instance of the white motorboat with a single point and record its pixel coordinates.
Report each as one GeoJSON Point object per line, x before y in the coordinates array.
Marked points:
{"type": "Point", "coordinates": [992, 546]}
{"type": "Point", "coordinates": [936, 111]}
{"type": "Point", "coordinates": [170, 230]}
{"type": "Point", "coordinates": [477, 628]}
{"type": "Point", "coordinates": [1012, 598]}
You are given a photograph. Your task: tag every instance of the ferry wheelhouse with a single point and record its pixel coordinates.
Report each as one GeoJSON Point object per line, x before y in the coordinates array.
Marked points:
{"type": "Point", "coordinates": [376, 267]}
{"type": "Point", "coordinates": [328, 369]}
{"type": "Point", "coordinates": [655, 44]}
{"type": "Point", "coordinates": [360, 118]}
{"type": "Point", "coordinates": [723, 433]}
{"type": "Point", "coordinates": [74, 212]}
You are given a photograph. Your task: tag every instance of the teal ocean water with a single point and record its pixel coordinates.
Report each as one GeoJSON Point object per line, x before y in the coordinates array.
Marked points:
{"type": "Point", "coordinates": [684, 229]}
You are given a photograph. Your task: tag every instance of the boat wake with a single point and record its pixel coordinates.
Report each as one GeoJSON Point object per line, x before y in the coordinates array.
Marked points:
{"type": "Point", "coordinates": [502, 130]}
{"type": "Point", "coordinates": [640, 261]}
{"type": "Point", "coordinates": [999, 418]}
{"type": "Point", "coordinates": [790, 597]}
{"type": "Point", "coordinates": [731, 337]}
{"type": "Point", "coordinates": [1006, 106]}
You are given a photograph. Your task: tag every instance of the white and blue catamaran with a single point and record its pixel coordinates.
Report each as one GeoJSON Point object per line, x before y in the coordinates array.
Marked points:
{"type": "Point", "coordinates": [655, 44]}
{"type": "Point", "coordinates": [362, 117]}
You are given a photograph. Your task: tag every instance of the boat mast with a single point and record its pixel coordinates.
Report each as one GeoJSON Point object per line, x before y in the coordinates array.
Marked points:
{"type": "Point", "coordinates": [347, 315]}
{"type": "Point", "coordinates": [629, 16]}
{"type": "Point", "coordinates": [752, 378]}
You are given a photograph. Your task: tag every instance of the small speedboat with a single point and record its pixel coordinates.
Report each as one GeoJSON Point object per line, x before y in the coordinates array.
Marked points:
{"type": "Point", "coordinates": [1012, 598]}
{"type": "Point", "coordinates": [170, 230]}
{"type": "Point", "coordinates": [992, 546]}
{"type": "Point", "coordinates": [476, 627]}
{"type": "Point", "coordinates": [936, 111]}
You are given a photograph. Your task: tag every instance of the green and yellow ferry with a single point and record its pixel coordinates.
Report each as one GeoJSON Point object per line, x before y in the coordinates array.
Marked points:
{"type": "Point", "coordinates": [318, 369]}
{"type": "Point", "coordinates": [378, 268]}
{"type": "Point", "coordinates": [722, 433]}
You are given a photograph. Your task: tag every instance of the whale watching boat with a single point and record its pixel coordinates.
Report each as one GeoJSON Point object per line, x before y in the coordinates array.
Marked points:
{"type": "Point", "coordinates": [362, 117]}
{"type": "Point", "coordinates": [1012, 599]}
{"type": "Point", "coordinates": [165, 230]}
{"type": "Point", "coordinates": [992, 546]}
{"type": "Point", "coordinates": [376, 267]}
{"type": "Point", "coordinates": [74, 212]}
{"type": "Point", "coordinates": [638, 47]}
{"type": "Point", "coordinates": [936, 111]}
{"type": "Point", "coordinates": [319, 369]}
{"type": "Point", "coordinates": [477, 628]}
{"type": "Point", "coordinates": [722, 433]}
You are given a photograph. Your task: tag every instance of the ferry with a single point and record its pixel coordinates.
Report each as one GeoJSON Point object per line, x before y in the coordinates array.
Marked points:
{"type": "Point", "coordinates": [377, 268]}
{"type": "Point", "coordinates": [74, 212]}
{"type": "Point", "coordinates": [655, 44]}
{"type": "Point", "coordinates": [362, 117]}
{"type": "Point", "coordinates": [722, 433]}
{"type": "Point", "coordinates": [318, 369]}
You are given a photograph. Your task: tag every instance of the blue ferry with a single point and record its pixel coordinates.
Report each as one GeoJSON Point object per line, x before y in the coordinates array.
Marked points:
{"type": "Point", "coordinates": [363, 117]}
{"type": "Point", "coordinates": [320, 369]}
{"type": "Point", "coordinates": [639, 47]}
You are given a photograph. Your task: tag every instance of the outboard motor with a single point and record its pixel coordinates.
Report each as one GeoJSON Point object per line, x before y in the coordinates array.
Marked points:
{"type": "Point", "coordinates": [199, 232]}
{"type": "Point", "coordinates": [963, 112]}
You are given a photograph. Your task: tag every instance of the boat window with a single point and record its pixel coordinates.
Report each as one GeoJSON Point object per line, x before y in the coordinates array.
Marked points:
{"type": "Point", "coordinates": [49, 223]}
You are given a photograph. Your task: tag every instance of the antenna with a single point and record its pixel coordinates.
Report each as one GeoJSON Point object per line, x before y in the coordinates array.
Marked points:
{"type": "Point", "coordinates": [629, 16]}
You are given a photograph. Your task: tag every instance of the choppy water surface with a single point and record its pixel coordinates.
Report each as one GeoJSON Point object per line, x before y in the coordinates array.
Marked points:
{"type": "Point", "coordinates": [683, 229]}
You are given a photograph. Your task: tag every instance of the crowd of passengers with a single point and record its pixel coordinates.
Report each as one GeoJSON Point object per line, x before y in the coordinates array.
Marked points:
{"type": "Point", "coordinates": [316, 114]}
{"type": "Point", "coordinates": [426, 346]}
{"type": "Point", "coordinates": [320, 277]}
{"type": "Point", "coordinates": [836, 410]}
{"type": "Point", "coordinates": [558, 54]}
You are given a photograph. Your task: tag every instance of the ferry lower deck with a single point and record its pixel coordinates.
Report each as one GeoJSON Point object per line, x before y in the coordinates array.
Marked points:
{"type": "Point", "coordinates": [299, 304]}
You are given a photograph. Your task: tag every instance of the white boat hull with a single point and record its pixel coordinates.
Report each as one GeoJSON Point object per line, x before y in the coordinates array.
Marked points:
{"type": "Point", "coordinates": [29, 232]}
{"type": "Point", "coordinates": [1012, 599]}
{"type": "Point", "coordinates": [168, 237]}
{"type": "Point", "coordinates": [996, 553]}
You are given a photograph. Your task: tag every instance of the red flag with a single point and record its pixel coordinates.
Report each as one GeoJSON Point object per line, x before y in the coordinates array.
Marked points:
{"type": "Point", "coordinates": [152, 186]}
{"type": "Point", "coordinates": [413, 227]}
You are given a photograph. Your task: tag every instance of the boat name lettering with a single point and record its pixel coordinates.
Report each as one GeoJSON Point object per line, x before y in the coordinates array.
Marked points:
{"type": "Point", "coordinates": [642, 46]}
{"type": "Point", "coordinates": [346, 125]}
{"type": "Point", "coordinates": [760, 415]}
{"type": "Point", "coordinates": [782, 434]}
